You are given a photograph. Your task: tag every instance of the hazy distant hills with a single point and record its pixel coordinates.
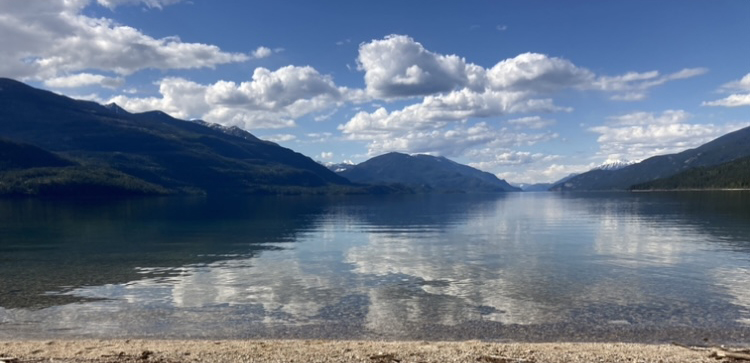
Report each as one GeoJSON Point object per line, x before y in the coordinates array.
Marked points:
{"type": "Point", "coordinates": [425, 173]}
{"type": "Point", "coordinates": [543, 187]}
{"type": "Point", "coordinates": [721, 150]}
{"type": "Point", "coordinates": [152, 151]}
{"type": "Point", "coordinates": [732, 175]}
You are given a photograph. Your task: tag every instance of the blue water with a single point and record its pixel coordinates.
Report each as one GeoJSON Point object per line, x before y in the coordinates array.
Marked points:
{"type": "Point", "coordinates": [644, 267]}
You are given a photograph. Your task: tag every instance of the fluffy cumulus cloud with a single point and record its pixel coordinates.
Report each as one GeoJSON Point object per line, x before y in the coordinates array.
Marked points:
{"type": "Point", "coordinates": [736, 99]}
{"type": "Point", "coordinates": [640, 135]}
{"type": "Point", "coordinates": [537, 73]}
{"type": "Point", "coordinates": [47, 39]}
{"type": "Point", "coordinates": [397, 66]}
{"type": "Point", "coordinates": [262, 52]}
{"type": "Point", "coordinates": [272, 99]}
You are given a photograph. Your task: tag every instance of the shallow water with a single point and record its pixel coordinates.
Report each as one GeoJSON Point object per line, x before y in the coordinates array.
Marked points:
{"type": "Point", "coordinates": [524, 266]}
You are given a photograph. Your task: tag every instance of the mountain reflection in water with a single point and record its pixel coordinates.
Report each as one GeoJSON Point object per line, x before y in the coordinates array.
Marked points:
{"type": "Point", "coordinates": [536, 266]}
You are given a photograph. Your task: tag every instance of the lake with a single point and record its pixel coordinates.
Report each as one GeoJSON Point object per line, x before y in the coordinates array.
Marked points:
{"type": "Point", "coordinates": [646, 267]}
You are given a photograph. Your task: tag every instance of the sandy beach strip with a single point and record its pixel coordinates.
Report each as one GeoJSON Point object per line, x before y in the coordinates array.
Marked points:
{"type": "Point", "coordinates": [165, 351]}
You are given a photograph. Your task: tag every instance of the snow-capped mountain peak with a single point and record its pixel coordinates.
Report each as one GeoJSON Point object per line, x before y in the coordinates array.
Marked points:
{"type": "Point", "coordinates": [614, 164]}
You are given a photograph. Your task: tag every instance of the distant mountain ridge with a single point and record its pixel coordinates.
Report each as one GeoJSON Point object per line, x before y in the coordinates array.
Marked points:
{"type": "Point", "coordinates": [726, 148]}
{"type": "Point", "coordinates": [731, 175]}
{"type": "Point", "coordinates": [426, 173]}
{"type": "Point", "coordinates": [154, 149]}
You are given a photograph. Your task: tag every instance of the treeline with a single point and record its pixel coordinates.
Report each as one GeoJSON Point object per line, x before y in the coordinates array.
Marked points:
{"type": "Point", "coordinates": [74, 181]}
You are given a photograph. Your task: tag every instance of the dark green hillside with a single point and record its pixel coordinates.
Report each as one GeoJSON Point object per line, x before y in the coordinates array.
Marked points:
{"type": "Point", "coordinates": [425, 173]}
{"type": "Point", "coordinates": [732, 175]}
{"type": "Point", "coordinates": [176, 155]}
{"type": "Point", "coordinates": [15, 155]}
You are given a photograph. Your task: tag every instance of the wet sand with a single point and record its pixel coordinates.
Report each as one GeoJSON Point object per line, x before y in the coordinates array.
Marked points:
{"type": "Point", "coordinates": [166, 351]}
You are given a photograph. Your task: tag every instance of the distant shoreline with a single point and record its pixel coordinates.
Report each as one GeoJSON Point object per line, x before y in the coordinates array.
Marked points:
{"type": "Point", "coordinates": [340, 351]}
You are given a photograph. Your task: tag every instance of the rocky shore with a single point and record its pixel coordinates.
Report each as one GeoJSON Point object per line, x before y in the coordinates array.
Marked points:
{"type": "Point", "coordinates": [168, 351]}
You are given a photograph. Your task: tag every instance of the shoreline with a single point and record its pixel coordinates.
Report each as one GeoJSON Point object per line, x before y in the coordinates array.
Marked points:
{"type": "Point", "coordinates": [339, 351]}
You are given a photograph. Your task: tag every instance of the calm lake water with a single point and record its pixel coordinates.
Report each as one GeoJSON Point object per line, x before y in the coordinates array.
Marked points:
{"type": "Point", "coordinates": [524, 266]}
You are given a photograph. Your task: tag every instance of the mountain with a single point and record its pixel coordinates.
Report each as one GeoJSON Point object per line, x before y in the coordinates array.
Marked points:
{"type": "Point", "coordinates": [544, 187]}
{"type": "Point", "coordinates": [152, 148]}
{"type": "Point", "coordinates": [726, 148]}
{"type": "Point", "coordinates": [732, 175]}
{"type": "Point", "coordinates": [426, 173]}
{"type": "Point", "coordinates": [339, 167]}
{"type": "Point", "coordinates": [614, 165]}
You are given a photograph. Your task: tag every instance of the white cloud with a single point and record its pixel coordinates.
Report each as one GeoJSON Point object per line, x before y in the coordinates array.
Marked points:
{"type": "Point", "coordinates": [436, 111]}
{"type": "Point", "coordinates": [454, 142]}
{"type": "Point", "coordinates": [640, 135]}
{"type": "Point", "coordinates": [531, 122]}
{"type": "Point", "coordinates": [397, 66]}
{"type": "Point", "coordinates": [633, 86]}
{"type": "Point", "coordinates": [318, 137]}
{"type": "Point", "coordinates": [272, 99]}
{"type": "Point", "coordinates": [300, 90]}
{"type": "Point", "coordinates": [149, 3]}
{"type": "Point", "coordinates": [735, 100]}
{"type": "Point", "coordinates": [537, 73]}
{"type": "Point", "coordinates": [84, 79]}
{"type": "Point", "coordinates": [629, 96]}
{"type": "Point", "coordinates": [649, 118]}
{"type": "Point", "coordinates": [47, 39]}
{"type": "Point", "coordinates": [280, 138]}
{"type": "Point", "coordinates": [494, 158]}
{"type": "Point", "coordinates": [262, 52]}
{"type": "Point", "coordinates": [544, 172]}
{"type": "Point", "coordinates": [742, 84]}
{"type": "Point", "coordinates": [180, 98]}
{"type": "Point", "coordinates": [501, 28]}
{"type": "Point", "coordinates": [326, 155]}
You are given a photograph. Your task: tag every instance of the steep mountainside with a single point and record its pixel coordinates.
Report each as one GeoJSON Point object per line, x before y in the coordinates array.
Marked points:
{"type": "Point", "coordinates": [732, 175]}
{"type": "Point", "coordinates": [726, 148]}
{"type": "Point", "coordinates": [176, 155]}
{"type": "Point", "coordinates": [426, 173]}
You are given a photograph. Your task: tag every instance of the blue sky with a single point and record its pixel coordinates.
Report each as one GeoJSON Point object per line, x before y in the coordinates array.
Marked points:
{"type": "Point", "coordinates": [529, 90]}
